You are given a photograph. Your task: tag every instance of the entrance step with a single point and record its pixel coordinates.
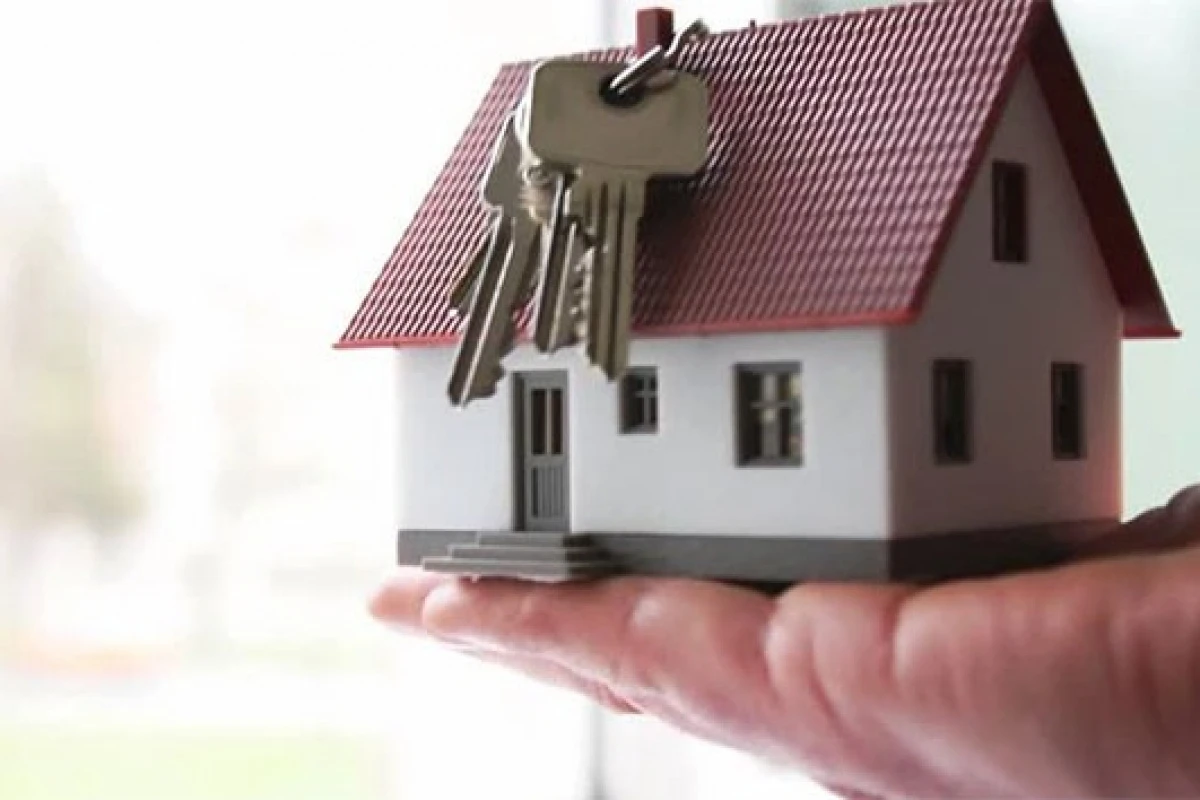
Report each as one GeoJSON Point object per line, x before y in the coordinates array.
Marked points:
{"type": "Point", "coordinates": [534, 539]}
{"type": "Point", "coordinates": [541, 555]}
{"type": "Point", "coordinates": [525, 570]}
{"type": "Point", "coordinates": [531, 556]}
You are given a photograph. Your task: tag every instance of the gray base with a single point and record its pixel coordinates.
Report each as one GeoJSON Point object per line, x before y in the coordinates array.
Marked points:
{"type": "Point", "coordinates": [757, 560]}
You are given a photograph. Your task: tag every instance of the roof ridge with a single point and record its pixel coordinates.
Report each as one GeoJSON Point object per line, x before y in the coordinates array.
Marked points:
{"type": "Point", "coordinates": [892, 7]}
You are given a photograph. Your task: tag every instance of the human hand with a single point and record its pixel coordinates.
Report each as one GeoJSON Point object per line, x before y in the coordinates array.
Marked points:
{"type": "Point", "coordinates": [1082, 680]}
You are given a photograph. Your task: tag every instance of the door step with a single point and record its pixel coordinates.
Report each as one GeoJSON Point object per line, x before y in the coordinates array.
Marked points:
{"type": "Point", "coordinates": [532, 556]}
{"type": "Point", "coordinates": [534, 539]}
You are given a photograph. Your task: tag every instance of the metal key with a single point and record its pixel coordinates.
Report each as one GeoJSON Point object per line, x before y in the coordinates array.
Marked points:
{"type": "Point", "coordinates": [499, 193]}
{"type": "Point", "coordinates": [553, 324]}
{"type": "Point", "coordinates": [546, 188]}
{"type": "Point", "coordinates": [612, 146]}
{"type": "Point", "coordinates": [564, 245]}
{"type": "Point", "coordinates": [620, 208]}
{"type": "Point", "coordinates": [463, 292]}
{"type": "Point", "coordinates": [567, 121]}
{"type": "Point", "coordinates": [609, 204]}
{"type": "Point", "coordinates": [505, 276]}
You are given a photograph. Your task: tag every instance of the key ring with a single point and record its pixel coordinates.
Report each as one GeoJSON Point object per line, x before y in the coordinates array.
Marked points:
{"type": "Point", "coordinates": [651, 70]}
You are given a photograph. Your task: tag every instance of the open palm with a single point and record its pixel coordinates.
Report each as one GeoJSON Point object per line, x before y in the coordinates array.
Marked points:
{"type": "Point", "coordinates": [1082, 680]}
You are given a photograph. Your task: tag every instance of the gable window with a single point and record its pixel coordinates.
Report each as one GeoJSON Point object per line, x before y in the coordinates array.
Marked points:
{"type": "Point", "coordinates": [1010, 212]}
{"type": "Point", "coordinates": [952, 411]}
{"type": "Point", "coordinates": [639, 400]}
{"type": "Point", "coordinates": [769, 415]}
{"type": "Point", "coordinates": [1066, 402]}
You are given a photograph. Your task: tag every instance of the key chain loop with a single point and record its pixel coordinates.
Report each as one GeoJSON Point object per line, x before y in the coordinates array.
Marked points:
{"type": "Point", "coordinates": [655, 70]}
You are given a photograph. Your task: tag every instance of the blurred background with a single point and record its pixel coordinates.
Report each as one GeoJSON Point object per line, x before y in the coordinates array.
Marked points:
{"type": "Point", "coordinates": [196, 491]}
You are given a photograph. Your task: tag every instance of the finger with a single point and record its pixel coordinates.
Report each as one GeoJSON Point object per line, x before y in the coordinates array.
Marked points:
{"type": "Point", "coordinates": [717, 660]}
{"type": "Point", "coordinates": [672, 648]}
{"type": "Point", "coordinates": [721, 663]}
{"type": "Point", "coordinates": [1056, 679]}
{"type": "Point", "coordinates": [1067, 682]}
{"type": "Point", "coordinates": [598, 627]}
{"type": "Point", "coordinates": [847, 793]}
{"type": "Point", "coordinates": [1170, 526]}
{"type": "Point", "coordinates": [553, 674]}
{"type": "Point", "coordinates": [860, 684]}
{"type": "Point", "coordinates": [399, 601]}
{"type": "Point", "coordinates": [610, 697]}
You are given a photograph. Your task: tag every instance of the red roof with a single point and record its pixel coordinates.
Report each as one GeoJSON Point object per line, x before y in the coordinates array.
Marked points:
{"type": "Point", "coordinates": [841, 150]}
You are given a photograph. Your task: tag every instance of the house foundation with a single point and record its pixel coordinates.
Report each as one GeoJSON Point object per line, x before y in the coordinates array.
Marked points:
{"type": "Point", "coordinates": [768, 561]}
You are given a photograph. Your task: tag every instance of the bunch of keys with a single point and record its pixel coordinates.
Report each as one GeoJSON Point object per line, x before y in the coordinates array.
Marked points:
{"type": "Point", "coordinates": [567, 185]}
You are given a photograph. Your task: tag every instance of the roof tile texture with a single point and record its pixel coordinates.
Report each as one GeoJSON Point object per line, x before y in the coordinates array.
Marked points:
{"type": "Point", "coordinates": [839, 146]}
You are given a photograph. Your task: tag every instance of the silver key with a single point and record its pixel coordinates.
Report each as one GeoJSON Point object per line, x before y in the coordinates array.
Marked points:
{"type": "Point", "coordinates": [498, 193]}
{"type": "Point", "coordinates": [504, 280]}
{"type": "Point", "coordinates": [623, 213]}
{"type": "Point", "coordinates": [547, 192]}
{"type": "Point", "coordinates": [564, 246]}
{"type": "Point", "coordinates": [566, 121]}
{"type": "Point", "coordinates": [612, 148]}
{"type": "Point", "coordinates": [553, 326]}
{"type": "Point", "coordinates": [462, 293]}
{"type": "Point", "coordinates": [610, 205]}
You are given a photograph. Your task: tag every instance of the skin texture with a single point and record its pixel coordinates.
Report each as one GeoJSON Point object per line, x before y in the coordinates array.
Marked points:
{"type": "Point", "coordinates": [1078, 681]}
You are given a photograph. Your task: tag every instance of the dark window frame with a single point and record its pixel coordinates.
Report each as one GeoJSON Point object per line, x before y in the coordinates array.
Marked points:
{"type": "Point", "coordinates": [759, 442]}
{"type": "Point", "coordinates": [639, 401]}
{"type": "Point", "coordinates": [1068, 426]}
{"type": "Point", "coordinates": [953, 398]}
{"type": "Point", "coordinates": [1010, 212]}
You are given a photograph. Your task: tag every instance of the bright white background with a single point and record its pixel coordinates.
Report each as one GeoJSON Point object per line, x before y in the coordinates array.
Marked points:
{"type": "Point", "coordinates": [239, 169]}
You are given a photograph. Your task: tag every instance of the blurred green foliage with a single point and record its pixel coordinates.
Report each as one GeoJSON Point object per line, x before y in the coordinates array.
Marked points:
{"type": "Point", "coordinates": [58, 458]}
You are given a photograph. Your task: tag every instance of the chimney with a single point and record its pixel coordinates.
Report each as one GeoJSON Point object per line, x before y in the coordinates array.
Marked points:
{"type": "Point", "coordinates": [655, 28]}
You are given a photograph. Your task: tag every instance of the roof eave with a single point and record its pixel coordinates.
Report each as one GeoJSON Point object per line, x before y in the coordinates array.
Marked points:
{"type": "Point", "coordinates": [1152, 332]}
{"type": "Point", "coordinates": [1094, 172]}
{"type": "Point", "coordinates": [679, 331]}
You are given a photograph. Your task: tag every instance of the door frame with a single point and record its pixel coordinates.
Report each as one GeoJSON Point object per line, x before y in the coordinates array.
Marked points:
{"type": "Point", "coordinates": [556, 378]}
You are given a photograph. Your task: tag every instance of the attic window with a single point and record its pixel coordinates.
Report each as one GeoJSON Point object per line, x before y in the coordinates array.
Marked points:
{"type": "Point", "coordinates": [1010, 212]}
{"type": "Point", "coordinates": [769, 418]}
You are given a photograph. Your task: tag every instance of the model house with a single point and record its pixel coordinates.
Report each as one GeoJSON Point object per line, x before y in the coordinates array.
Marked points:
{"type": "Point", "coordinates": [878, 335]}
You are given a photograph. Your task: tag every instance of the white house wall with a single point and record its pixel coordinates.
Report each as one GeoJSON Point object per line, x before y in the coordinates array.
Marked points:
{"type": "Point", "coordinates": [456, 465]}
{"type": "Point", "coordinates": [1012, 321]}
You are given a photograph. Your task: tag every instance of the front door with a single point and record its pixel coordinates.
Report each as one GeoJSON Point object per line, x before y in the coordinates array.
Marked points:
{"type": "Point", "coordinates": [542, 480]}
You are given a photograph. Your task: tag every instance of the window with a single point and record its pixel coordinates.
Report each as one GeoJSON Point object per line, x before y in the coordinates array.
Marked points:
{"type": "Point", "coordinates": [1066, 402]}
{"type": "Point", "coordinates": [952, 411]}
{"type": "Point", "coordinates": [545, 421]}
{"type": "Point", "coordinates": [639, 400]}
{"type": "Point", "coordinates": [1010, 212]}
{"type": "Point", "coordinates": [769, 419]}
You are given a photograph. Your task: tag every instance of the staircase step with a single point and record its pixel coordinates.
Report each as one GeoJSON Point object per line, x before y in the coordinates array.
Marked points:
{"type": "Point", "coordinates": [534, 538]}
{"type": "Point", "coordinates": [572, 554]}
{"type": "Point", "coordinates": [527, 570]}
